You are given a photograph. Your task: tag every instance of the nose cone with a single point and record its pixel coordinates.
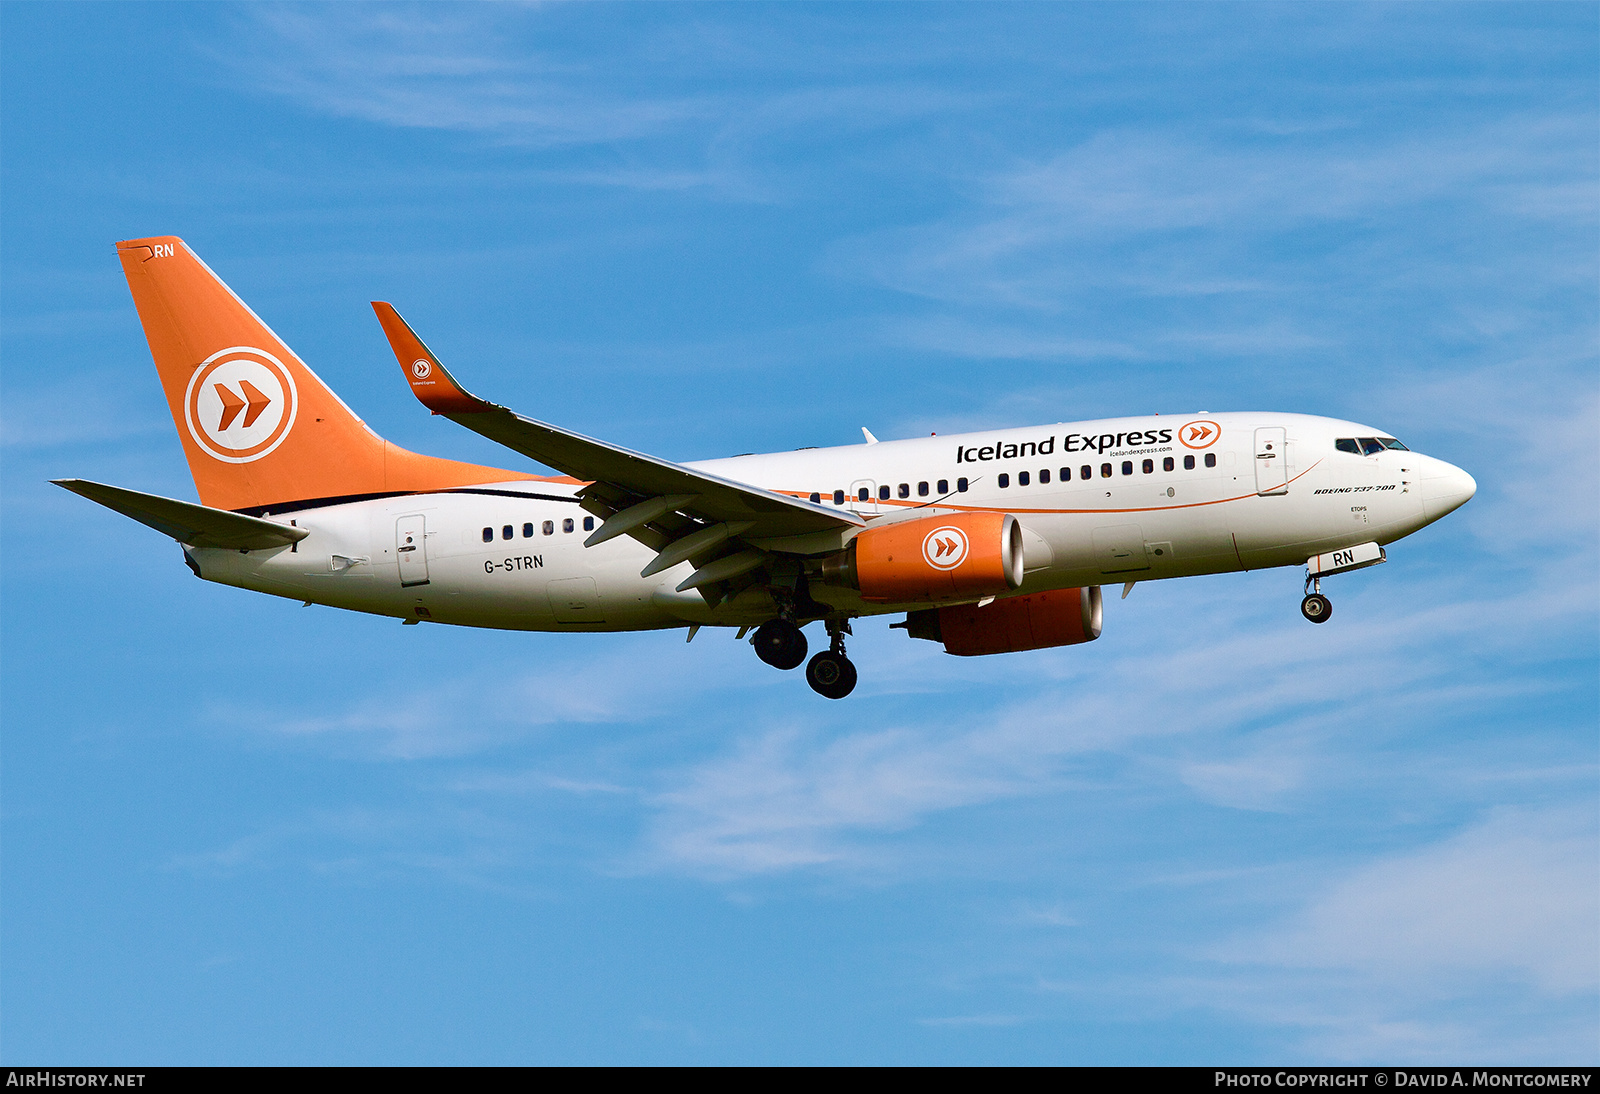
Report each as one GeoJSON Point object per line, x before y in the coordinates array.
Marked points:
{"type": "Point", "coordinates": [1446, 489]}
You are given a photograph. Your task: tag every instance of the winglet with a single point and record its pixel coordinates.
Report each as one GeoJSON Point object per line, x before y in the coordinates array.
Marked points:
{"type": "Point", "coordinates": [430, 382]}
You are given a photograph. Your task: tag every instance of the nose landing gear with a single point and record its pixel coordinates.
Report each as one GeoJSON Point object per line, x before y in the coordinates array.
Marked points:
{"type": "Point", "coordinates": [831, 674]}
{"type": "Point", "coordinates": [1316, 607]}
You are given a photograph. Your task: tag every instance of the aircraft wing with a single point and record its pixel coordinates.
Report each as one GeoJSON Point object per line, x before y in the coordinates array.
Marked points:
{"type": "Point", "coordinates": [655, 501]}
{"type": "Point", "coordinates": [190, 524]}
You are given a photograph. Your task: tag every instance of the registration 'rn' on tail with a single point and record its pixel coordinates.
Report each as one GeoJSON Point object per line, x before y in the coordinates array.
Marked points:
{"type": "Point", "coordinates": [260, 429]}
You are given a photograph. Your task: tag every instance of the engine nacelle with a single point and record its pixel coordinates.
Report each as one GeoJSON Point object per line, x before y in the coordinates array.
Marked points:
{"type": "Point", "coordinates": [1059, 617]}
{"type": "Point", "coordinates": [955, 556]}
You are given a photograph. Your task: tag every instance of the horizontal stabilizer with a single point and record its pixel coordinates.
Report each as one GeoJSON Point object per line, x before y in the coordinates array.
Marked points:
{"type": "Point", "coordinates": [189, 524]}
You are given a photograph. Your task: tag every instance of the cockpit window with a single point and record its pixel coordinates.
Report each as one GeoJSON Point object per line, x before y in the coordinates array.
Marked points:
{"type": "Point", "coordinates": [1347, 444]}
{"type": "Point", "coordinates": [1390, 442]}
{"type": "Point", "coordinates": [1371, 446]}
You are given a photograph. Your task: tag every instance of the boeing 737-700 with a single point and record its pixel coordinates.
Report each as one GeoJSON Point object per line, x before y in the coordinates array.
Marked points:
{"type": "Point", "coordinates": [988, 543]}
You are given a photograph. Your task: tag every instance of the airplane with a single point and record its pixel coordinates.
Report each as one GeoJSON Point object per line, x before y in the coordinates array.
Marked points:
{"type": "Point", "coordinates": [990, 542]}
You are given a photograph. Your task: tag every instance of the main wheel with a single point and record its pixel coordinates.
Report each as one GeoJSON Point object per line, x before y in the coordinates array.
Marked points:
{"type": "Point", "coordinates": [831, 674]}
{"type": "Point", "coordinates": [1316, 608]}
{"type": "Point", "coordinates": [780, 644]}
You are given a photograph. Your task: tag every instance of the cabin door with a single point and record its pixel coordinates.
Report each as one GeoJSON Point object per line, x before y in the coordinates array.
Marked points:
{"type": "Point", "coordinates": [1272, 463]}
{"type": "Point", "coordinates": [411, 546]}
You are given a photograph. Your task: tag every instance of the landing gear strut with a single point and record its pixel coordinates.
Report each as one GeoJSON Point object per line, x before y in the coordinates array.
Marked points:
{"type": "Point", "coordinates": [1316, 607]}
{"type": "Point", "coordinates": [780, 643]}
{"type": "Point", "coordinates": [831, 674]}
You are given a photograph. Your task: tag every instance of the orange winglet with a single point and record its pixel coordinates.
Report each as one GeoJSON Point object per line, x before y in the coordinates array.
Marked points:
{"type": "Point", "coordinates": [430, 381]}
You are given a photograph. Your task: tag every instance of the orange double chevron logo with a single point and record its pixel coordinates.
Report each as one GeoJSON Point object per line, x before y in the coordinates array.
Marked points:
{"type": "Point", "coordinates": [1200, 434]}
{"type": "Point", "coordinates": [945, 548]}
{"type": "Point", "coordinates": [252, 404]}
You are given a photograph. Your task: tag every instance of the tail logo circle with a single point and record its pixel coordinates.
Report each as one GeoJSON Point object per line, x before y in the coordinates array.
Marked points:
{"type": "Point", "coordinates": [421, 369]}
{"type": "Point", "coordinates": [240, 404]}
{"type": "Point", "coordinates": [945, 548]}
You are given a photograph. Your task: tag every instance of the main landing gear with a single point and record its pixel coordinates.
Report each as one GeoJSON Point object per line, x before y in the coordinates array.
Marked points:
{"type": "Point", "coordinates": [831, 674]}
{"type": "Point", "coordinates": [1316, 607]}
{"type": "Point", "coordinates": [782, 645]}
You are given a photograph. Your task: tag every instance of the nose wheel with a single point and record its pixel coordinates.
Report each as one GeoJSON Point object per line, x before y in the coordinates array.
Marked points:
{"type": "Point", "coordinates": [830, 673]}
{"type": "Point", "coordinates": [1316, 607]}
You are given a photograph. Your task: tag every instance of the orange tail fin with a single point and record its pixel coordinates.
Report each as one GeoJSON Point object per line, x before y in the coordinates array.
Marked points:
{"type": "Point", "coordinates": [258, 426]}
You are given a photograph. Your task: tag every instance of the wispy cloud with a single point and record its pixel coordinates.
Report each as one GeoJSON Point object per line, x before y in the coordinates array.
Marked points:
{"type": "Point", "coordinates": [477, 713]}
{"type": "Point", "coordinates": [511, 75]}
{"type": "Point", "coordinates": [1225, 247]}
{"type": "Point", "coordinates": [447, 68]}
{"type": "Point", "coordinates": [1519, 893]}
{"type": "Point", "coordinates": [89, 409]}
{"type": "Point", "coordinates": [1399, 948]}
{"type": "Point", "coordinates": [799, 797]}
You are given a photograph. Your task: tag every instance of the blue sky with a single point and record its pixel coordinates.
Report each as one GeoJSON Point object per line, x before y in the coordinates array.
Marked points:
{"type": "Point", "coordinates": [236, 830]}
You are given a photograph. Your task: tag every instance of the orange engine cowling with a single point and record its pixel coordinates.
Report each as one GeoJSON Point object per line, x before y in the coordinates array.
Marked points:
{"type": "Point", "coordinates": [1059, 617]}
{"type": "Point", "coordinates": [955, 556]}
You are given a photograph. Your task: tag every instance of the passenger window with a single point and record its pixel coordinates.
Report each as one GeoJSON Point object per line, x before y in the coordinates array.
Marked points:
{"type": "Point", "coordinates": [1188, 463]}
{"type": "Point", "coordinates": [922, 489]}
{"type": "Point", "coordinates": [1211, 459]}
{"type": "Point", "coordinates": [961, 486]}
{"type": "Point", "coordinates": [1066, 474]}
{"type": "Point", "coordinates": [1044, 475]}
{"type": "Point", "coordinates": [588, 525]}
{"type": "Point", "coordinates": [1347, 444]}
{"type": "Point", "coordinates": [1370, 446]}
{"type": "Point", "coordinates": [505, 533]}
{"type": "Point", "coordinates": [566, 525]}
{"type": "Point", "coordinates": [838, 497]}
{"type": "Point", "coordinates": [1167, 464]}
{"type": "Point", "coordinates": [1022, 478]}
{"type": "Point", "coordinates": [883, 493]}
{"type": "Point", "coordinates": [1390, 442]}
{"type": "Point", "coordinates": [549, 528]}
{"type": "Point", "coordinates": [1148, 466]}
{"type": "Point", "coordinates": [864, 495]}
{"type": "Point", "coordinates": [488, 535]}
{"type": "Point", "coordinates": [944, 487]}
{"type": "Point", "coordinates": [527, 530]}
{"type": "Point", "coordinates": [1105, 470]}
{"type": "Point", "coordinates": [1127, 467]}
{"type": "Point", "coordinates": [905, 490]}
{"type": "Point", "coordinates": [816, 499]}
{"type": "Point", "coordinates": [1004, 481]}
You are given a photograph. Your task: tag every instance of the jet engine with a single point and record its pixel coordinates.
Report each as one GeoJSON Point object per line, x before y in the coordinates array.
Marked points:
{"type": "Point", "coordinates": [954, 556]}
{"type": "Point", "coordinates": [1058, 617]}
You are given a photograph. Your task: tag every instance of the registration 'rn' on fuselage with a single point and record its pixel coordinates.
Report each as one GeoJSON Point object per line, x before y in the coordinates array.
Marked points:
{"type": "Point", "coordinates": [989, 542]}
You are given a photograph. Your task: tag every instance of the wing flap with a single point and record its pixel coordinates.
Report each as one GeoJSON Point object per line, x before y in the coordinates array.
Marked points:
{"type": "Point", "coordinates": [189, 524]}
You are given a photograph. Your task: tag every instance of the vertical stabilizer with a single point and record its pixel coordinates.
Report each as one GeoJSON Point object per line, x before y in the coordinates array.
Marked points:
{"type": "Point", "coordinates": [259, 428]}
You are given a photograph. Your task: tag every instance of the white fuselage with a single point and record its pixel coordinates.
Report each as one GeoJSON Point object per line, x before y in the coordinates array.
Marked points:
{"type": "Point", "coordinates": [1301, 498]}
